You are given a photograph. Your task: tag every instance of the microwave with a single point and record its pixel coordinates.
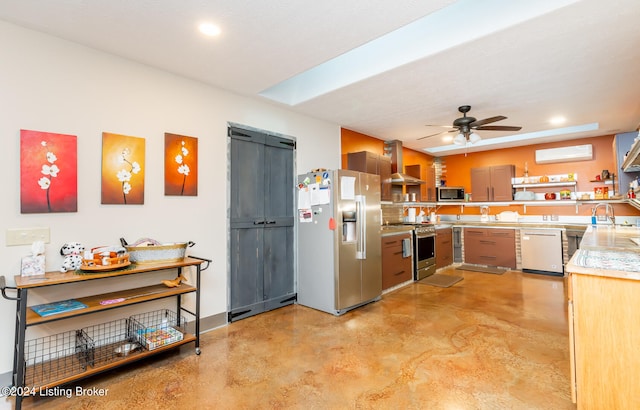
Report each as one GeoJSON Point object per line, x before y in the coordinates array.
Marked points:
{"type": "Point", "coordinates": [450, 193]}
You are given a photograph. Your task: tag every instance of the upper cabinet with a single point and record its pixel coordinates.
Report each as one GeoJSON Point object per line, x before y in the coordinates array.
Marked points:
{"type": "Point", "coordinates": [632, 161]}
{"type": "Point", "coordinates": [372, 163]}
{"type": "Point", "coordinates": [492, 183]}
{"type": "Point", "coordinates": [627, 158]}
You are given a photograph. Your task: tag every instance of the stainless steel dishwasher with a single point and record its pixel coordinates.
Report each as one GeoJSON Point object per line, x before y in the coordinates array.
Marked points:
{"type": "Point", "coordinates": [542, 251]}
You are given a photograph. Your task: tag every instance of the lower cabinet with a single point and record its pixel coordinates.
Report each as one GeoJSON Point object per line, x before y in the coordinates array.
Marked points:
{"type": "Point", "coordinates": [397, 264]}
{"type": "Point", "coordinates": [444, 247]}
{"type": "Point", "coordinates": [490, 246]}
{"type": "Point", "coordinates": [604, 332]}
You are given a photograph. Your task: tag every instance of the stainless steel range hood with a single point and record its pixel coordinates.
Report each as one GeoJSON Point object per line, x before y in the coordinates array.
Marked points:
{"type": "Point", "coordinates": [404, 179]}
{"type": "Point", "coordinates": [394, 150]}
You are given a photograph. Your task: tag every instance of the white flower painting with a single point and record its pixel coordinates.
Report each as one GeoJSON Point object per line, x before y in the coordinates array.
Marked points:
{"type": "Point", "coordinates": [181, 162]}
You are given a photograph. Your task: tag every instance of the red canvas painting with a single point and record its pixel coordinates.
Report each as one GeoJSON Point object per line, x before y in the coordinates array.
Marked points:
{"type": "Point", "coordinates": [122, 169]}
{"type": "Point", "coordinates": [180, 165]}
{"type": "Point", "coordinates": [48, 172]}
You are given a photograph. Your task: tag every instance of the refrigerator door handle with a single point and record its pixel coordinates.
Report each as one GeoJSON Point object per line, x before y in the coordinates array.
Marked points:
{"type": "Point", "coordinates": [361, 227]}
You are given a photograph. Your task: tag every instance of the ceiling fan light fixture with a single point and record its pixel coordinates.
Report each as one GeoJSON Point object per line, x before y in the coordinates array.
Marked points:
{"type": "Point", "coordinates": [459, 139]}
{"type": "Point", "coordinates": [473, 138]}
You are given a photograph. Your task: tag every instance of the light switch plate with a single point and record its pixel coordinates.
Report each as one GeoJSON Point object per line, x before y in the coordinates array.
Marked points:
{"type": "Point", "coordinates": [26, 236]}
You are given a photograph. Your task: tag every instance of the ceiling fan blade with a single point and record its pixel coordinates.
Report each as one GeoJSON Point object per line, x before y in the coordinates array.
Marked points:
{"type": "Point", "coordinates": [498, 128]}
{"type": "Point", "coordinates": [436, 134]}
{"type": "Point", "coordinates": [441, 126]}
{"type": "Point", "coordinates": [487, 121]}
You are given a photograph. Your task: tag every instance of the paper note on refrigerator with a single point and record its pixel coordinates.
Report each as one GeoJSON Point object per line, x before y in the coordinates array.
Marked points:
{"type": "Point", "coordinates": [304, 199]}
{"type": "Point", "coordinates": [319, 195]}
{"type": "Point", "coordinates": [347, 188]}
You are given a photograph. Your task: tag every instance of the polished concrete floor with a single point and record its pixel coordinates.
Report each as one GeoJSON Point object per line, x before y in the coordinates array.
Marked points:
{"type": "Point", "coordinates": [488, 342]}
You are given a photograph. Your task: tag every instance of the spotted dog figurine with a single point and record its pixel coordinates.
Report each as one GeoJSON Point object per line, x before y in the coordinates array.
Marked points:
{"type": "Point", "coordinates": [72, 252]}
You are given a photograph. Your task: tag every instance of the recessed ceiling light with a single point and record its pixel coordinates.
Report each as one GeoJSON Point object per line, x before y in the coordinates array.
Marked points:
{"type": "Point", "coordinates": [209, 29]}
{"type": "Point", "coordinates": [557, 120]}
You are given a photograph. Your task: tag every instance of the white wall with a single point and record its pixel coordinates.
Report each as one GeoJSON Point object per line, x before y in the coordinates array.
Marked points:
{"type": "Point", "coordinates": [47, 84]}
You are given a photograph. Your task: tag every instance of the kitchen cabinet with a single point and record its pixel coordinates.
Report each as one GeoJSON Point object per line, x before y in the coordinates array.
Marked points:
{"type": "Point", "coordinates": [444, 247]}
{"type": "Point", "coordinates": [490, 246]}
{"type": "Point", "coordinates": [397, 264]}
{"type": "Point", "coordinates": [492, 183]}
{"type": "Point", "coordinates": [372, 163]}
{"type": "Point", "coordinates": [50, 361]}
{"type": "Point", "coordinates": [632, 161]}
{"type": "Point", "coordinates": [622, 144]}
{"type": "Point", "coordinates": [604, 332]}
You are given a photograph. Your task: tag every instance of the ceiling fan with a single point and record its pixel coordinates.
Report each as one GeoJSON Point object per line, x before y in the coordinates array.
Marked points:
{"type": "Point", "coordinates": [465, 127]}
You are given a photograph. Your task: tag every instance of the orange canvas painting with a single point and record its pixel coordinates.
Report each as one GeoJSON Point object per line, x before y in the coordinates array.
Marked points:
{"type": "Point", "coordinates": [122, 169]}
{"type": "Point", "coordinates": [48, 172]}
{"type": "Point", "coordinates": [180, 165]}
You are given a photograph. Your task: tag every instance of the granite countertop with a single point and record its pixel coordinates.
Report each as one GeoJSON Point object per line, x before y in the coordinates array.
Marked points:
{"type": "Point", "coordinates": [608, 252]}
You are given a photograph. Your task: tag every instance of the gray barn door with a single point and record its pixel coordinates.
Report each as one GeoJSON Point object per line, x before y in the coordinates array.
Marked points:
{"type": "Point", "coordinates": [262, 212]}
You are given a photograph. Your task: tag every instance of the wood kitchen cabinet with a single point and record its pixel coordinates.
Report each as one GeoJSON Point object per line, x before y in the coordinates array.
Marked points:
{"type": "Point", "coordinates": [444, 247]}
{"type": "Point", "coordinates": [490, 246]}
{"type": "Point", "coordinates": [604, 332]}
{"type": "Point", "coordinates": [492, 183]}
{"type": "Point", "coordinates": [397, 266]}
{"type": "Point", "coordinates": [372, 163]}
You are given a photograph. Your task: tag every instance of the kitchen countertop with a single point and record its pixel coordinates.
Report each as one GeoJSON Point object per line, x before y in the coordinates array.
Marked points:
{"type": "Point", "coordinates": [490, 224]}
{"type": "Point", "coordinates": [608, 252]}
{"type": "Point", "coordinates": [513, 225]}
{"type": "Point", "coordinates": [389, 230]}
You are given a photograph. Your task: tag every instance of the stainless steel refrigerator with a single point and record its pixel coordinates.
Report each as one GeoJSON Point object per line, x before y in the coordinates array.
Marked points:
{"type": "Point", "coordinates": [338, 230]}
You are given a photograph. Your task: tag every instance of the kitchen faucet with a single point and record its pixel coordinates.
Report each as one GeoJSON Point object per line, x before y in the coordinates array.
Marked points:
{"type": "Point", "coordinates": [608, 212]}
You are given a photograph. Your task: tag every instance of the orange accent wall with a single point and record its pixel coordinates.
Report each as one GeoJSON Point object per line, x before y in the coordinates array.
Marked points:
{"type": "Point", "coordinates": [457, 169]}
{"type": "Point", "coordinates": [352, 141]}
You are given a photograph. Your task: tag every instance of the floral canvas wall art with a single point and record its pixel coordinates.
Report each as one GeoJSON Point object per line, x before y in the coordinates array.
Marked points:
{"type": "Point", "coordinates": [48, 172]}
{"type": "Point", "coordinates": [180, 165]}
{"type": "Point", "coordinates": [122, 169]}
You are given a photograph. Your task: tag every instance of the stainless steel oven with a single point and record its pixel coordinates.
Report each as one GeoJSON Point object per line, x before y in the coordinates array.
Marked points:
{"type": "Point", "coordinates": [424, 251]}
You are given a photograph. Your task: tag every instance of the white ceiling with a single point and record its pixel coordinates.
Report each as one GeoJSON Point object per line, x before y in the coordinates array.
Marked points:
{"type": "Point", "coordinates": [581, 60]}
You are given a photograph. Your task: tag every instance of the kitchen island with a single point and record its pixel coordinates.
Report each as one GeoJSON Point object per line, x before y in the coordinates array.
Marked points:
{"type": "Point", "coordinates": [604, 319]}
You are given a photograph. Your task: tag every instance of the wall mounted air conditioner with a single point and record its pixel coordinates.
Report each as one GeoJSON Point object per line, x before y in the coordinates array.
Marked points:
{"type": "Point", "coordinates": [564, 154]}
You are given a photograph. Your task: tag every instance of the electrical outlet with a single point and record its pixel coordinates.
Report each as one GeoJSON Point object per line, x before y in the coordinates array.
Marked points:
{"type": "Point", "coordinates": [26, 236]}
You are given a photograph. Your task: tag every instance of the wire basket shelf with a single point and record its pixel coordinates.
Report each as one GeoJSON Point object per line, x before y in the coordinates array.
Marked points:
{"type": "Point", "coordinates": [54, 358]}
